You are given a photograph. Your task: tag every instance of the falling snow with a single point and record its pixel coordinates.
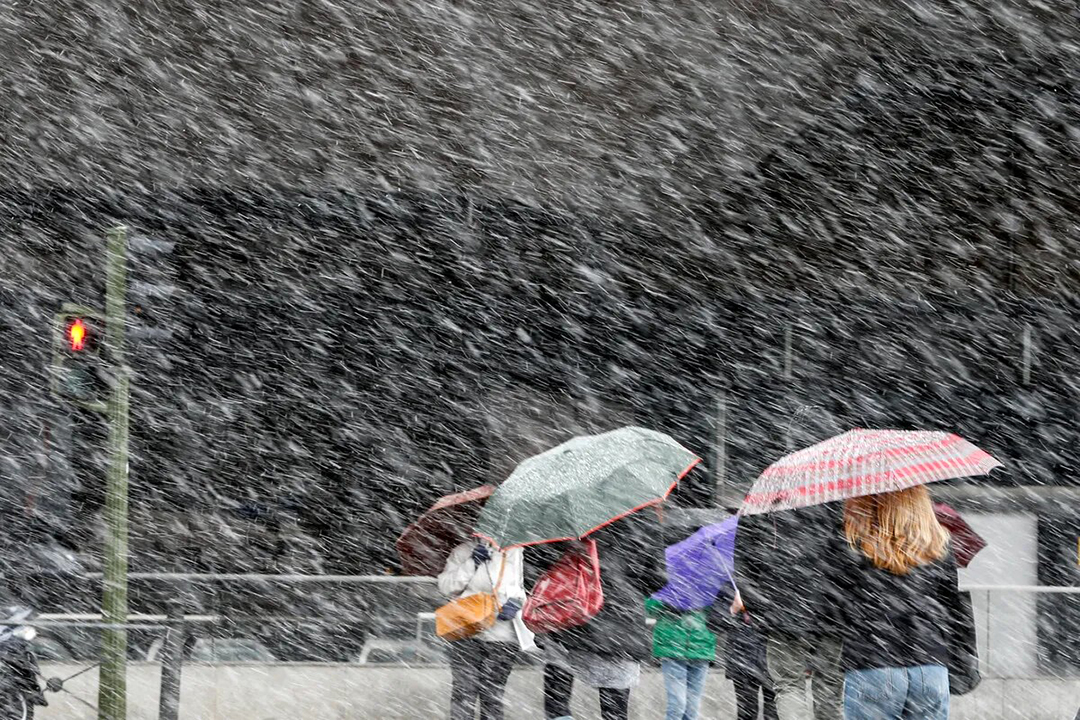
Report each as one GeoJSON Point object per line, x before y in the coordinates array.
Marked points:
{"type": "Point", "coordinates": [398, 247]}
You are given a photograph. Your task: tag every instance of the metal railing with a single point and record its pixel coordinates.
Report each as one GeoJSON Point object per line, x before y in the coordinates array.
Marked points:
{"type": "Point", "coordinates": [177, 592]}
{"type": "Point", "coordinates": [1016, 627]}
{"type": "Point", "coordinates": [1027, 631]}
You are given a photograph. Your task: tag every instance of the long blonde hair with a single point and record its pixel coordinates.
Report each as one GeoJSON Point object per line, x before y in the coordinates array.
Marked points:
{"type": "Point", "coordinates": [896, 530]}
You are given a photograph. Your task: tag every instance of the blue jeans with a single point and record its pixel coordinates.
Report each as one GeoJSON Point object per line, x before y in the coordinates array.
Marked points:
{"type": "Point", "coordinates": [685, 683]}
{"type": "Point", "coordinates": [907, 693]}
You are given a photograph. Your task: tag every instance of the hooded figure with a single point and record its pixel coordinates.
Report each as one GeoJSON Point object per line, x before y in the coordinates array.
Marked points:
{"type": "Point", "coordinates": [607, 651]}
{"type": "Point", "coordinates": [632, 565]}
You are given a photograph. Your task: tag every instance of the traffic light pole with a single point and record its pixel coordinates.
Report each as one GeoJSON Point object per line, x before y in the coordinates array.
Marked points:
{"type": "Point", "coordinates": [112, 689]}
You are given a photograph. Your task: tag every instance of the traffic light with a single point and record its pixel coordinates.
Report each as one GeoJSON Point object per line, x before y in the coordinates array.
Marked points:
{"type": "Point", "coordinates": [79, 367]}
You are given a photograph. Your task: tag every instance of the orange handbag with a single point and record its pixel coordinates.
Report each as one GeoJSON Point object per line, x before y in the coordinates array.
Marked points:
{"type": "Point", "coordinates": [470, 615]}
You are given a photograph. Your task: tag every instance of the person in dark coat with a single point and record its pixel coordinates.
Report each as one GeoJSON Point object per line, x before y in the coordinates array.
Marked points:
{"type": "Point", "coordinates": [607, 651]}
{"type": "Point", "coordinates": [558, 678]}
{"type": "Point", "coordinates": [744, 659]}
{"type": "Point", "coordinates": [781, 563]}
{"type": "Point", "coordinates": [897, 596]}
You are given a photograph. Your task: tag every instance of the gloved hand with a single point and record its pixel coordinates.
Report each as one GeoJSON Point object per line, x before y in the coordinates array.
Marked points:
{"type": "Point", "coordinates": [509, 610]}
{"type": "Point", "coordinates": [481, 554]}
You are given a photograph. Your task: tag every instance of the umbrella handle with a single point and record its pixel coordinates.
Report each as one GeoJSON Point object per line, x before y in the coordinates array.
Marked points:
{"type": "Point", "coordinates": [730, 574]}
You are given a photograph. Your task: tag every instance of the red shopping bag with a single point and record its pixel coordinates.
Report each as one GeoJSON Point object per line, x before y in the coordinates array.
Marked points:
{"type": "Point", "coordinates": [568, 594]}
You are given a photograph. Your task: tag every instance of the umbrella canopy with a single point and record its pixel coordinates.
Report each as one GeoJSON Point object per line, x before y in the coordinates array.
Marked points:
{"type": "Point", "coordinates": [966, 543]}
{"type": "Point", "coordinates": [864, 462]}
{"type": "Point", "coordinates": [699, 567]}
{"type": "Point", "coordinates": [582, 485]}
{"type": "Point", "coordinates": [424, 546]}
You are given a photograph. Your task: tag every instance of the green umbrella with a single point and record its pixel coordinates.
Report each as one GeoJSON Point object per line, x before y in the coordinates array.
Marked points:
{"type": "Point", "coordinates": [582, 485]}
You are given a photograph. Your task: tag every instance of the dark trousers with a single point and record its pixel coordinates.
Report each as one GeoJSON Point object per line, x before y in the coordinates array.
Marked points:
{"type": "Point", "coordinates": [746, 698]}
{"type": "Point", "coordinates": [559, 685]}
{"type": "Point", "coordinates": [614, 704]}
{"type": "Point", "coordinates": [478, 672]}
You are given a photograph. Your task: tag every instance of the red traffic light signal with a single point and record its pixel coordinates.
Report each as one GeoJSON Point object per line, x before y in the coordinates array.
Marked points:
{"type": "Point", "coordinates": [76, 334]}
{"type": "Point", "coordinates": [79, 372]}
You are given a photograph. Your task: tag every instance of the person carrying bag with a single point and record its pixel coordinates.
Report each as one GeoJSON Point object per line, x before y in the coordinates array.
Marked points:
{"type": "Point", "coordinates": [482, 625]}
{"type": "Point", "coordinates": [896, 593]}
{"type": "Point", "coordinates": [596, 621]}
{"type": "Point", "coordinates": [472, 614]}
{"type": "Point", "coordinates": [569, 594]}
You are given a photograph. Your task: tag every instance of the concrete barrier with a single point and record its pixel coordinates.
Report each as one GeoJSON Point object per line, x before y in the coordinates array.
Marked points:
{"type": "Point", "coordinates": [355, 692]}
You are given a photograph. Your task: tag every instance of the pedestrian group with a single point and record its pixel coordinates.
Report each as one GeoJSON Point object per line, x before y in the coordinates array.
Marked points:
{"type": "Point", "coordinates": [853, 597]}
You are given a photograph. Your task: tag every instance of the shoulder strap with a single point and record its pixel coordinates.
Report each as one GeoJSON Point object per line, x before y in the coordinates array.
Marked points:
{"type": "Point", "coordinates": [594, 555]}
{"type": "Point", "coordinates": [502, 569]}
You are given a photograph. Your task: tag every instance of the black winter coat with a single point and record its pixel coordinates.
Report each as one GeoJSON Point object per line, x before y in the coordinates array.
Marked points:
{"type": "Point", "coordinates": [745, 653]}
{"type": "Point", "coordinates": [895, 620]}
{"type": "Point", "coordinates": [632, 567]}
{"type": "Point", "coordinates": [744, 643]}
{"type": "Point", "coordinates": [781, 566]}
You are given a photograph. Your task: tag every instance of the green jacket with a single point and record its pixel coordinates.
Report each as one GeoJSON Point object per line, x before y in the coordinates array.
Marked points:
{"type": "Point", "coordinates": [680, 635]}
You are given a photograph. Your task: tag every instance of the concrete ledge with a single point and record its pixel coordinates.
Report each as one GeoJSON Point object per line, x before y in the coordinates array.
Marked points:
{"type": "Point", "coordinates": [354, 692]}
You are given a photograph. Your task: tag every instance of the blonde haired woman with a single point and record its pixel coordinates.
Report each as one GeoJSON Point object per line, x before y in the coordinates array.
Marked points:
{"type": "Point", "coordinates": [897, 594]}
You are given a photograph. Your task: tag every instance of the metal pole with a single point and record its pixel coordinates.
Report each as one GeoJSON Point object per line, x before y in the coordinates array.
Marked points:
{"type": "Point", "coordinates": [986, 664]}
{"type": "Point", "coordinates": [720, 459]}
{"type": "Point", "coordinates": [1026, 355]}
{"type": "Point", "coordinates": [112, 690]}
{"type": "Point", "coordinates": [172, 660]}
{"type": "Point", "coordinates": [788, 371]}
{"type": "Point", "coordinates": [789, 361]}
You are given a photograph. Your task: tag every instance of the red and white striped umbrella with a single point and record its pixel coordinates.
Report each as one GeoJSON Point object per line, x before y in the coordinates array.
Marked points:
{"type": "Point", "coordinates": [864, 462]}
